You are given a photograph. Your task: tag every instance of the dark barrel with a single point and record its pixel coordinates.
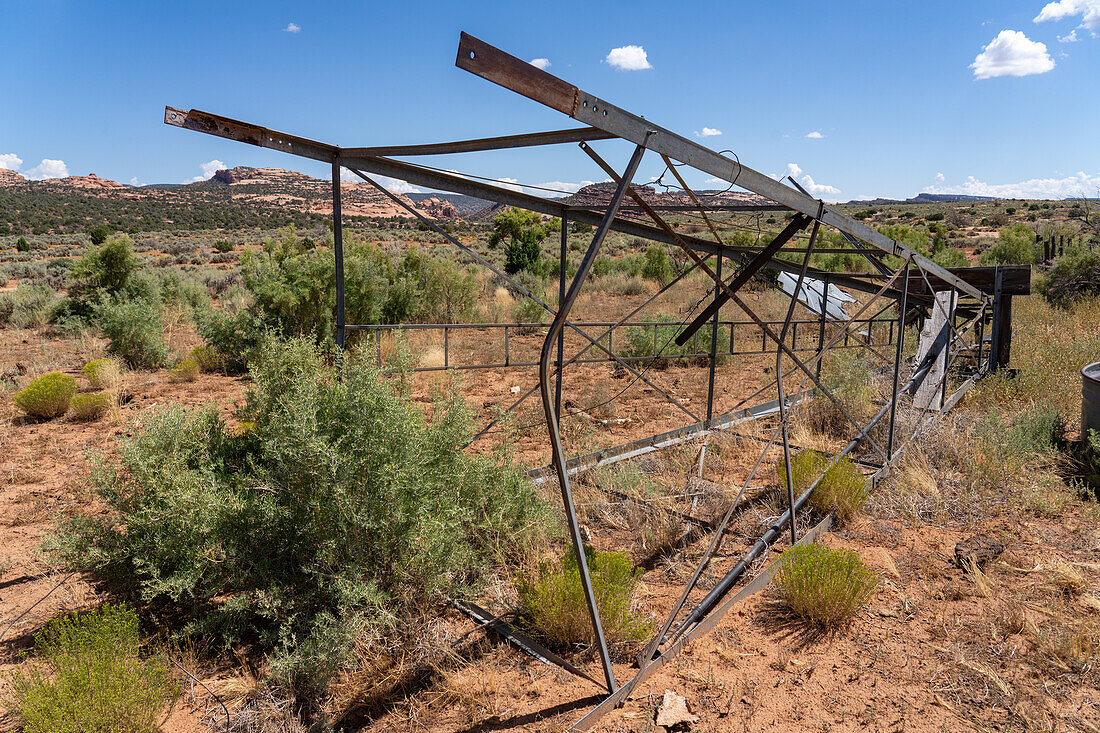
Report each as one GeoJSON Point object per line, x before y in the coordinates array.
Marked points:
{"type": "Point", "coordinates": [1090, 398]}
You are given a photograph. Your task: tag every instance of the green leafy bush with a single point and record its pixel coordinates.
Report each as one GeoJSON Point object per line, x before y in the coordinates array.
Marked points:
{"type": "Point", "coordinates": [552, 602]}
{"type": "Point", "coordinates": [48, 396]}
{"type": "Point", "coordinates": [640, 341]}
{"type": "Point", "coordinates": [1074, 277]}
{"type": "Point", "coordinates": [843, 489]}
{"type": "Point", "coordinates": [339, 512]}
{"type": "Point", "coordinates": [223, 245]}
{"type": "Point", "coordinates": [104, 373]}
{"type": "Point", "coordinates": [823, 586]}
{"type": "Point", "coordinates": [184, 370]}
{"type": "Point", "coordinates": [87, 407]}
{"type": "Point", "coordinates": [94, 678]}
{"type": "Point", "coordinates": [21, 245]}
{"type": "Point", "coordinates": [658, 265]}
{"type": "Point", "coordinates": [1015, 246]}
{"type": "Point", "coordinates": [134, 332]}
{"type": "Point", "coordinates": [234, 338]}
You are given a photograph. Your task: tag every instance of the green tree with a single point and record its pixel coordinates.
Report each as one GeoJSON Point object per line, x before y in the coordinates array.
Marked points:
{"type": "Point", "coordinates": [524, 232]}
{"type": "Point", "coordinates": [99, 235]}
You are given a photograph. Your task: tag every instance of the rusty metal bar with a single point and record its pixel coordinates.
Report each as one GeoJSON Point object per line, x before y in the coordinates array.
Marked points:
{"type": "Point", "coordinates": [552, 137]}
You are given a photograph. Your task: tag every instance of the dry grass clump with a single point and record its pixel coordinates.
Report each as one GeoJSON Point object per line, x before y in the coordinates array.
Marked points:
{"type": "Point", "coordinates": [552, 601]}
{"type": "Point", "coordinates": [48, 396]}
{"type": "Point", "coordinates": [823, 586]}
{"type": "Point", "coordinates": [185, 370]}
{"type": "Point", "coordinates": [93, 677]}
{"type": "Point", "coordinates": [842, 490]}
{"type": "Point", "coordinates": [207, 358]}
{"type": "Point", "coordinates": [105, 373]}
{"type": "Point", "coordinates": [88, 407]}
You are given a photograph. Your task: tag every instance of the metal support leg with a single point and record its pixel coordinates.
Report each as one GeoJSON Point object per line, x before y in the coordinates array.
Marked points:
{"type": "Point", "coordinates": [713, 346]}
{"type": "Point", "coordinates": [338, 247]}
{"type": "Point", "coordinates": [552, 418]}
{"type": "Point", "coordinates": [897, 362]}
{"type": "Point", "coordinates": [561, 299]}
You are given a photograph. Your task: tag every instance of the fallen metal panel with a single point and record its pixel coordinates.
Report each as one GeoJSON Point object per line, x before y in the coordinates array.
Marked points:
{"type": "Point", "coordinates": [497, 66]}
{"type": "Point", "coordinates": [552, 137]}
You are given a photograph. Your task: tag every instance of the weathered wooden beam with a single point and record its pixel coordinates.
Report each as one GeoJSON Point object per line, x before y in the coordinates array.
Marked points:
{"type": "Point", "coordinates": [1015, 280]}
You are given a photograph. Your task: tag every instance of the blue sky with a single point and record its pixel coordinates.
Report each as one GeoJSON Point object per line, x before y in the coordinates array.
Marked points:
{"type": "Point", "coordinates": [968, 97]}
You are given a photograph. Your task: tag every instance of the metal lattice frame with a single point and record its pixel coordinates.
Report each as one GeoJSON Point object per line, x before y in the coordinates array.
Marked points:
{"type": "Point", "coordinates": [959, 350]}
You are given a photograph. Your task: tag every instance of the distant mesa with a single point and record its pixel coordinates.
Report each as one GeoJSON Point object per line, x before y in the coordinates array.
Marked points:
{"type": "Point", "coordinates": [923, 198]}
{"type": "Point", "coordinates": [10, 178]}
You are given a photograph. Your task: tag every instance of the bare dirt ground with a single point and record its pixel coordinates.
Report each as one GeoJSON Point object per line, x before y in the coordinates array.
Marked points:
{"type": "Point", "coordinates": [937, 649]}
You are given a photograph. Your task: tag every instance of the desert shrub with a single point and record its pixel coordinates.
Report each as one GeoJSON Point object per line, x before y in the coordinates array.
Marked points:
{"type": "Point", "coordinates": [233, 338]}
{"type": "Point", "coordinates": [1073, 278]}
{"type": "Point", "coordinates": [89, 406]}
{"type": "Point", "coordinates": [1036, 429]}
{"type": "Point", "coordinates": [337, 513]}
{"type": "Point", "coordinates": [105, 268]}
{"type": "Point", "coordinates": [184, 370]}
{"type": "Point", "coordinates": [30, 306]}
{"type": "Point", "coordinates": [639, 341]}
{"type": "Point", "coordinates": [134, 332]}
{"type": "Point", "coordinates": [601, 266]}
{"type": "Point", "coordinates": [1015, 246]}
{"type": "Point", "coordinates": [842, 490]}
{"type": "Point", "coordinates": [174, 289]}
{"type": "Point", "coordinates": [99, 235]}
{"type": "Point", "coordinates": [207, 358]}
{"type": "Point", "coordinates": [21, 245]}
{"type": "Point", "coordinates": [103, 373]}
{"type": "Point", "coordinates": [94, 678]}
{"type": "Point", "coordinates": [48, 396]}
{"type": "Point", "coordinates": [823, 586]}
{"type": "Point", "coordinates": [658, 265]}
{"type": "Point", "coordinates": [552, 602]}
{"type": "Point", "coordinates": [223, 245]}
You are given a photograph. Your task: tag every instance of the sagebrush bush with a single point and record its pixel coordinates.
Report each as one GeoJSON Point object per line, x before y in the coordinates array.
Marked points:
{"type": "Point", "coordinates": [93, 678]}
{"type": "Point", "coordinates": [185, 370]}
{"type": "Point", "coordinates": [842, 490]}
{"type": "Point", "coordinates": [233, 338]}
{"type": "Point", "coordinates": [134, 332]}
{"type": "Point", "coordinates": [90, 406]}
{"type": "Point", "coordinates": [823, 586]}
{"type": "Point", "coordinates": [48, 396]}
{"type": "Point", "coordinates": [336, 513]}
{"type": "Point", "coordinates": [105, 373]}
{"type": "Point", "coordinates": [552, 602]}
{"type": "Point", "coordinates": [1073, 278]}
{"type": "Point", "coordinates": [641, 340]}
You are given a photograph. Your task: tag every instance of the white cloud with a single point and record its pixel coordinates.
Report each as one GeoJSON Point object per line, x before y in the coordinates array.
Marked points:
{"type": "Point", "coordinates": [815, 135]}
{"type": "Point", "coordinates": [209, 168]}
{"type": "Point", "coordinates": [1070, 37]}
{"type": "Point", "coordinates": [134, 181]}
{"type": "Point", "coordinates": [939, 177]}
{"type": "Point", "coordinates": [1089, 10]}
{"type": "Point", "coordinates": [510, 183]}
{"type": "Point", "coordinates": [1012, 53]}
{"type": "Point", "coordinates": [10, 162]}
{"type": "Point", "coordinates": [292, 28]}
{"type": "Point", "coordinates": [628, 58]}
{"type": "Point", "coordinates": [707, 132]}
{"type": "Point", "coordinates": [565, 186]}
{"type": "Point", "coordinates": [815, 189]}
{"type": "Point", "coordinates": [47, 169]}
{"type": "Point", "coordinates": [1079, 184]}
{"type": "Point", "coordinates": [543, 64]}
{"type": "Point", "coordinates": [819, 189]}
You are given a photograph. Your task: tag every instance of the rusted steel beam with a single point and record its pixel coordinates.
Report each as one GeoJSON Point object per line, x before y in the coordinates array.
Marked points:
{"type": "Point", "coordinates": [258, 135]}
{"type": "Point", "coordinates": [744, 275]}
{"type": "Point", "coordinates": [552, 137]}
{"type": "Point", "coordinates": [482, 59]}
{"type": "Point", "coordinates": [245, 132]}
